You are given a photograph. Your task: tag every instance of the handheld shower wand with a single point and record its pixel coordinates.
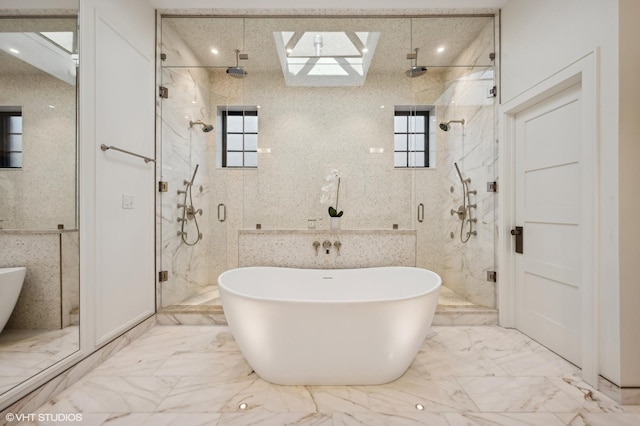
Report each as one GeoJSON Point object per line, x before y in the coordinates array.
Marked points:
{"type": "Point", "coordinates": [189, 212]}
{"type": "Point", "coordinates": [464, 211]}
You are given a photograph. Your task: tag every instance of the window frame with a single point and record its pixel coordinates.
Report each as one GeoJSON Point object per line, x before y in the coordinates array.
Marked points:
{"type": "Point", "coordinates": [415, 111]}
{"type": "Point", "coordinates": [225, 113]}
{"type": "Point", "coordinates": [5, 115]}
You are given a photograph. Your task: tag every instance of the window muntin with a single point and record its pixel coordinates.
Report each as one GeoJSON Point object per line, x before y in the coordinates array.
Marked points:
{"type": "Point", "coordinates": [240, 139]}
{"type": "Point", "coordinates": [10, 139]}
{"type": "Point", "coordinates": [411, 139]}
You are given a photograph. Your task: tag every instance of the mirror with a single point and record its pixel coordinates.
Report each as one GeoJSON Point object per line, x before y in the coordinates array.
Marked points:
{"type": "Point", "coordinates": [38, 195]}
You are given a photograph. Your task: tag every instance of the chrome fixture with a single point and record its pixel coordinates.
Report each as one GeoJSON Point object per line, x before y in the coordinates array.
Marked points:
{"type": "Point", "coordinates": [416, 70]}
{"type": "Point", "coordinates": [107, 147]}
{"type": "Point", "coordinates": [189, 211]}
{"type": "Point", "coordinates": [420, 213]}
{"type": "Point", "coordinates": [337, 245]}
{"type": "Point", "coordinates": [445, 126]}
{"type": "Point", "coordinates": [326, 245]}
{"type": "Point", "coordinates": [205, 127]}
{"type": "Point", "coordinates": [316, 246]}
{"type": "Point", "coordinates": [238, 71]}
{"type": "Point", "coordinates": [464, 211]}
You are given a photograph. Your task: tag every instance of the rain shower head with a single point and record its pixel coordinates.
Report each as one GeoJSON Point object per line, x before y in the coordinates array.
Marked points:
{"type": "Point", "coordinates": [205, 127]}
{"type": "Point", "coordinates": [416, 70]}
{"type": "Point", "coordinates": [238, 71]}
{"type": "Point", "coordinates": [446, 126]}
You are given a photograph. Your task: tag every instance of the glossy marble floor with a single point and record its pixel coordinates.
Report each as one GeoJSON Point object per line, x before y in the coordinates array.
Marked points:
{"type": "Point", "coordinates": [474, 375]}
{"type": "Point", "coordinates": [24, 353]}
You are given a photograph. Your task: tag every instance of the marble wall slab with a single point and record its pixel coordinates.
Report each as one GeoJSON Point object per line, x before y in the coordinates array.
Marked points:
{"type": "Point", "coordinates": [359, 249]}
{"type": "Point", "coordinates": [183, 148]}
{"type": "Point", "coordinates": [473, 147]}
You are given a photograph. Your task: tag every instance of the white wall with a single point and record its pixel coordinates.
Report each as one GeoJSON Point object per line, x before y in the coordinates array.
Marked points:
{"type": "Point", "coordinates": [629, 155]}
{"type": "Point", "coordinates": [538, 40]}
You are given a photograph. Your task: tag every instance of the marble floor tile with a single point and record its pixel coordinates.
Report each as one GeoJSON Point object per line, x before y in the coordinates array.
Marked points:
{"type": "Point", "coordinates": [532, 363]}
{"type": "Point", "coordinates": [205, 395]}
{"type": "Point", "coordinates": [196, 375]}
{"type": "Point", "coordinates": [342, 399]}
{"type": "Point", "coordinates": [599, 419]}
{"type": "Point", "coordinates": [400, 419]}
{"type": "Point", "coordinates": [517, 394]}
{"type": "Point", "coordinates": [119, 394]}
{"type": "Point", "coordinates": [503, 419]}
{"type": "Point", "coordinates": [434, 394]}
{"type": "Point", "coordinates": [430, 363]}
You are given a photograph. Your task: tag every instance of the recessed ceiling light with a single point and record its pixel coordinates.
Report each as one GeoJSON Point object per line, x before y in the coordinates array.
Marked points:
{"type": "Point", "coordinates": [214, 51]}
{"type": "Point", "coordinates": [12, 50]}
{"type": "Point", "coordinates": [419, 407]}
{"type": "Point", "coordinates": [52, 106]}
{"type": "Point", "coordinates": [365, 50]}
{"type": "Point", "coordinates": [440, 49]}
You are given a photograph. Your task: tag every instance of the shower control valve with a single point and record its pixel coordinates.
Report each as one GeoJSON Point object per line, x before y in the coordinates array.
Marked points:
{"type": "Point", "coordinates": [326, 245]}
{"type": "Point", "coordinates": [337, 245]}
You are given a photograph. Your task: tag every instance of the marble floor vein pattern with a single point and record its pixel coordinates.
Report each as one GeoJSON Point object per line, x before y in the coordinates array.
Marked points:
{"type": "Point", "coordinates": [477, 375]}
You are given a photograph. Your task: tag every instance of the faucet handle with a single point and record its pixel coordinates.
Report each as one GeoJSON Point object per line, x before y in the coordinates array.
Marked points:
{"type": "Point", "coordinates": [337, 245]}
{"type": "Point", "coordinates": [316, 246]}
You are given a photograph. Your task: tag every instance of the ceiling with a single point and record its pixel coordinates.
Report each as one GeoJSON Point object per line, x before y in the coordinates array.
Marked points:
{"type": "Point", "coordinates": [255, 36]}
{"type": "Point", "coordinates": [329, 4]}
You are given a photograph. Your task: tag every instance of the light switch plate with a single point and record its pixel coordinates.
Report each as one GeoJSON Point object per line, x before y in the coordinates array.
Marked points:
{"type": "Point", "coordinates": [127, 201]}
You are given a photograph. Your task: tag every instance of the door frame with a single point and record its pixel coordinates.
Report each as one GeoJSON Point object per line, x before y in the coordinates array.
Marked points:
{"type": "Point", "coordinates": [584, 71]}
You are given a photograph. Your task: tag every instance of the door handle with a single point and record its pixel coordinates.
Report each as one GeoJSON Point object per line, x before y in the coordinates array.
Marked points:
{"type": "Point", "coordinates": [222, 212]}
{"type": "Point", "coordinates": [518, 232]}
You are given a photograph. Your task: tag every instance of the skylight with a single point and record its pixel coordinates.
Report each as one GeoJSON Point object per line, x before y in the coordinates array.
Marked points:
{"type": "Point", "coordinates": [325, 58]}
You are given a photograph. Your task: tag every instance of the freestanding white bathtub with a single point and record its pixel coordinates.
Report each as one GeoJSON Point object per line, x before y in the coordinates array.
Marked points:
{"type": "Point", "coordinates": [11, 280]}
{"type": "Point", "coordinates": [329, 327]}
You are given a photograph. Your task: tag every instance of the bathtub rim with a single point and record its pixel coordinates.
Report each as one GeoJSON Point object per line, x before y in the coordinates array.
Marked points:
{"type": "Point", "coordinates": [11, 269]}
{"type": "Point", "coordinates": [434, 288]}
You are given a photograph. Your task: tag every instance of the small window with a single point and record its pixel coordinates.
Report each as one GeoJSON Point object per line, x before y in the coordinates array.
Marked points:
{"type": "Point", "coordinates": [11, 138]}
{"type": "Point", "coordinates": [411, 137]}
{"type": "Point", "coordinates": [240, 138]}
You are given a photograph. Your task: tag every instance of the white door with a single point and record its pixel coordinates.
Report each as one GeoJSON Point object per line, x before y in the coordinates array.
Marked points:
{"type": "Point", "coordinates": [548, 207]}
{"type": "Point", "coordinates": [118, 52]}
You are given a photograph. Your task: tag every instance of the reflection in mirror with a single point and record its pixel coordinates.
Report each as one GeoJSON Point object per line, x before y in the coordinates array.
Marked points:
{"type": "Point", "coordinates": [38, 193]}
